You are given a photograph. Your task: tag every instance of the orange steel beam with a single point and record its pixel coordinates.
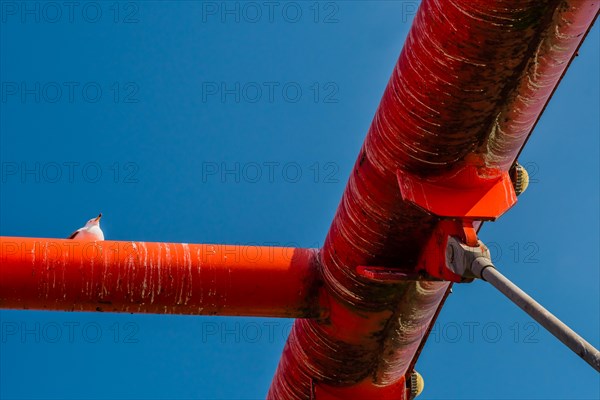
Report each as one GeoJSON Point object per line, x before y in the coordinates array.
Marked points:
{"type": "Point", "coordinates": [471, 82]}
{"type": "Point", "coordinates": [161, 278]}
{"type": "Point", "coordinates": [468, 88]}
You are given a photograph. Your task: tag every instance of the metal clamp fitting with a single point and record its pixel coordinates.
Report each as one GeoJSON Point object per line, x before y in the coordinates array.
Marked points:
{"type": "Point", "coordinates": [467, 261]}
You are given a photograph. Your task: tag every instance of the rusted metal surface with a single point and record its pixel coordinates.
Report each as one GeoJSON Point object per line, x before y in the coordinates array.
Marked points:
{"type": "Point", "coordinates": [470, 83]}
{"type": "Point", "coordinates": [162, 278]}
{"type": "Point", "coordinates": [549, 56]}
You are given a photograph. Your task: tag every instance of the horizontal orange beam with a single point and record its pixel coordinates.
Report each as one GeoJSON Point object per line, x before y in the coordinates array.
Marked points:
{"type": "Point", "coordinates": [161, 278]}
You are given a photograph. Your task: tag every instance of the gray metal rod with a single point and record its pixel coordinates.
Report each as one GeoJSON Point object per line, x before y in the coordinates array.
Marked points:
{"type": "Point", "coordinates": [483, 268]}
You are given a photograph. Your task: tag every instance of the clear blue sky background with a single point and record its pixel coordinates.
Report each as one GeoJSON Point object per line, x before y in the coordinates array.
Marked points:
{"type": "Point", "coordinates": [163, 130]}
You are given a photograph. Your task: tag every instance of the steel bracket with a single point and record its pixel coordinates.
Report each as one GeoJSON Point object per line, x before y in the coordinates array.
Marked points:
{"type": "Point", "coordinates": [433, 258]}
{"type": "Point", "coordinates": [390, 275]}
{"type": "Point", "coordinates": [460, 199]}
{"type": "Point", "coordinates": [471, 192]}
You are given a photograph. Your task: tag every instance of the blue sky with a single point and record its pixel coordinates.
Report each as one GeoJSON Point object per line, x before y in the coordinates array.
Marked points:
{"type": "Point", "coordinates": [182, 123]}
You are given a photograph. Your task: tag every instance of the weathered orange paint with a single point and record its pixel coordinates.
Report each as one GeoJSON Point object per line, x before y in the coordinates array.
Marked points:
{"type": "Point", "coordinates": [471, 82]}
{"type": "Point", "coordinates": [468, 88]}
{"type": "Point", "coordinates": [162, 278]}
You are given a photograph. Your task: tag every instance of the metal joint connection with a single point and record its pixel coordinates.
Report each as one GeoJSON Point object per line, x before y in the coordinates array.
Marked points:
{"type": "Point", "coordinates": [467, 261]}
{"type": "Point", "coordinates": [474, 262]}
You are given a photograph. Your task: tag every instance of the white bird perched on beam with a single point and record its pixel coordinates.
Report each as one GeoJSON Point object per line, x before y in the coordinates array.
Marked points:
{"type": "Point", "coordinates": [91, 231]}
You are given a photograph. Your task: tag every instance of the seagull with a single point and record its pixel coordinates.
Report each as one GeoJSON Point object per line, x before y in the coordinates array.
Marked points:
{"type": "Point", "coordinates": [91, 231]}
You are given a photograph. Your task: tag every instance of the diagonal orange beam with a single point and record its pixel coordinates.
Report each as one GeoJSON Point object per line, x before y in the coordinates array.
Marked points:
{"type": "Point", "coordinates": [161, 278]}
{"type": "Point", "coordinates": [469, 86]}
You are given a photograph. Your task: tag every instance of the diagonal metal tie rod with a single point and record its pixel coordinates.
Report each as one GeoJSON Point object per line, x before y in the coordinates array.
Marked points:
{"type": "Point", "coordinates": [474, 262]}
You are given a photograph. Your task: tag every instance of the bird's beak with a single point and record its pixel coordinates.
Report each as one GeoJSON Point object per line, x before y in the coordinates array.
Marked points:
{"type": "Point", "coordinates": [98, 217]}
